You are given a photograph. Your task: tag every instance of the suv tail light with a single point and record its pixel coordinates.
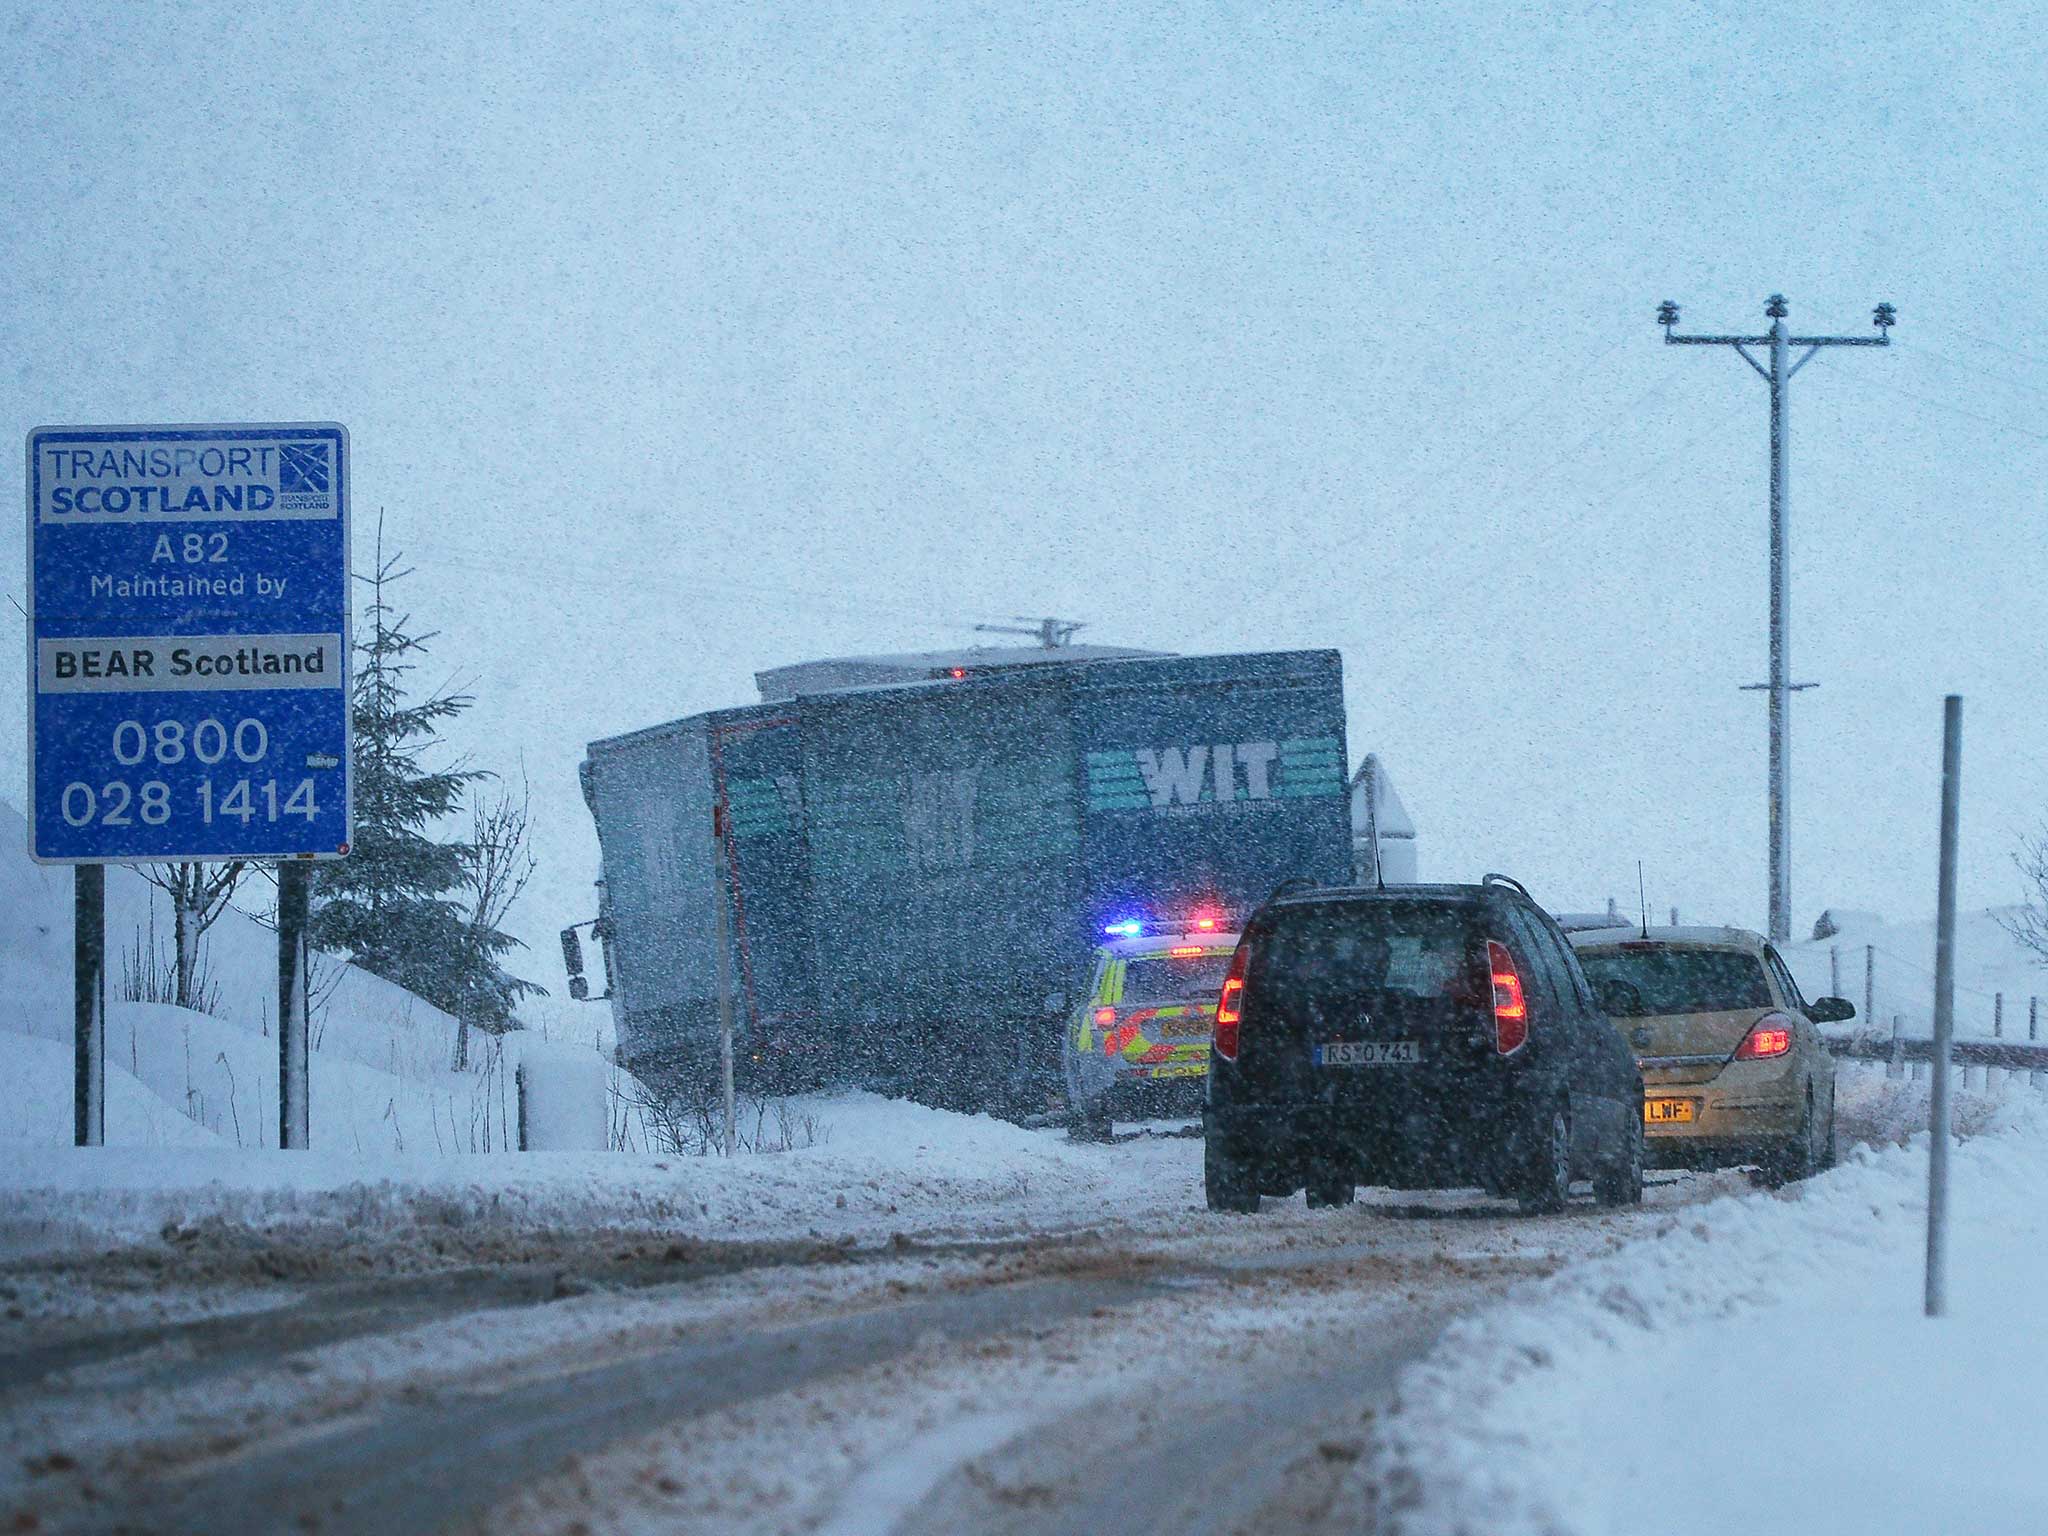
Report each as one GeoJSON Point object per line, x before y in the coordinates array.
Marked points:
{"type": "Point", "coordinates": [1771, 1035]}
{"type": "Point", "coordinates": [1510, 1005]}
{"type": "Point", "coordinates": [1230, 1006]}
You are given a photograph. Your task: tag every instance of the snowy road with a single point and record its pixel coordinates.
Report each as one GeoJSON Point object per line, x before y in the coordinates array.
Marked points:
{"type": "Point", "coordinates": [1027, 1376]}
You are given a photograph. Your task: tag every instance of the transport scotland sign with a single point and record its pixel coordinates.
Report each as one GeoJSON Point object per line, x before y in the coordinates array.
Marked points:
{"type": "Point", "coordinates": [188, 643]}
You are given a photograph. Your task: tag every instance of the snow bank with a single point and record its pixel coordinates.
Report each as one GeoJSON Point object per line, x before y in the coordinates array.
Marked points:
{"type": "Point", "coordinates": [872, 1167]}
{"type": "Point", "coordinates": [1757, 1365]}
{"type": "Point", "coordinates": [563, 1105]}
{"type": "Point", "coordinates": [383, 1076]}
{"type": "Point", "coordinates": [38, 1074]}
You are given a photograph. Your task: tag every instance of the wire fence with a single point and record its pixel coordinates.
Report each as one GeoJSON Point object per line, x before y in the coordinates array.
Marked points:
{"type": "Point", "coordinates": [1888, 988]}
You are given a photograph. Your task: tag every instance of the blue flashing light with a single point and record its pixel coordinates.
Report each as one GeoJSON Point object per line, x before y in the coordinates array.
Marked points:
{"type": "Point", "coordinates": [1129, 928]}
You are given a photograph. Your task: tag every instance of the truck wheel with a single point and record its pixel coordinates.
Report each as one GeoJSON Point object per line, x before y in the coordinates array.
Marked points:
{"type": "Point", "coordinates": [1620, 1179]}
{"type": "Point", "coordinates": [1548, 1177]}
{"type": "Point", "coordinates": [1330, 1190]}
{"type": "Point", "coordinates": [1091, 1122]}
{"type": "Point", "coordinates": [1227, 1178]}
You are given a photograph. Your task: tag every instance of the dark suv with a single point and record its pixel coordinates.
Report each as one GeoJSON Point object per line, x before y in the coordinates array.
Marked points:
{"type": "Point", "coordinates": [1416, 1037]}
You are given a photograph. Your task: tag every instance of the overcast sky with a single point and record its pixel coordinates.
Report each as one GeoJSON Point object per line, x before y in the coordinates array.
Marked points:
{"type": "Point", "coordinates": [679, 341]}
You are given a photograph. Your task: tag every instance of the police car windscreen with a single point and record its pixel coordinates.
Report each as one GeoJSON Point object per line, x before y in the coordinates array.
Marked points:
{"type": "Point", "coordinates": [1665, 979]}
{"type": "Point", "coordinates": [1173, 978]}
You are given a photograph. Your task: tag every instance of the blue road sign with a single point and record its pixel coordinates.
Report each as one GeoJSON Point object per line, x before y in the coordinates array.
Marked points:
{"type": "Point", "coordinates": [188, 643]}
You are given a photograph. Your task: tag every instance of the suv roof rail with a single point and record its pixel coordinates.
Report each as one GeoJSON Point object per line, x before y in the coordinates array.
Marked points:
{"type": "Point", "coordinates": [1291, 885]}
{"type": "Point", "coordinates": [1510, 882]}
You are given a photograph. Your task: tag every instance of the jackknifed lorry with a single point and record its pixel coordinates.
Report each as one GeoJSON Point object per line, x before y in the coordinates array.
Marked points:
{"type": "Point", "coordinates": [917, 855]}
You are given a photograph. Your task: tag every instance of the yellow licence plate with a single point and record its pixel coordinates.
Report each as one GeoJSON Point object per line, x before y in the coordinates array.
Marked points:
{"type": "Point", "coordinates": [1667, 1111]}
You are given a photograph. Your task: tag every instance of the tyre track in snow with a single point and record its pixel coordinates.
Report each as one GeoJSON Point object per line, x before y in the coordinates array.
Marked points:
{"type": "Point", "coordinates": [412, 1456]}
{"type": "Point", "coordinates": [440, 1455]}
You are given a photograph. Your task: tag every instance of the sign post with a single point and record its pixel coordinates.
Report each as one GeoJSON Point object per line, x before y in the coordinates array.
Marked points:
{"type": "Point", "coordinates": [188, 677]}
{"type": "Point", "coordinates": [1944, 1007]}
{"type": "Point", "coordinates": [89, 1005]}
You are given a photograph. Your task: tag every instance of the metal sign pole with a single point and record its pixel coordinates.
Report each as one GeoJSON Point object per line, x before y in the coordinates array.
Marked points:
{"type": "Point", "coordinates": [1944, 1008]}
{"type": "Point", "coordinates": [718, 829]}
{"type": "Point", "coordinates": [294, 1097]}
{"type": "Point", "coordinates": [89, 1004]}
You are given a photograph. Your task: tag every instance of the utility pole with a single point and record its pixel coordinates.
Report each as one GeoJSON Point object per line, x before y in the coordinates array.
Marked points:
{"type": "Point", "coordinates": [1781, 687]}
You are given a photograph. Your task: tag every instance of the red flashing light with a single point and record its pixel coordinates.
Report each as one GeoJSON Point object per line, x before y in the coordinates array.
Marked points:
{"type": "Point", "coordinates": [1205, 924]}
{"type": "Point", "coordinates": [1510, 1005]}
{"type": "Point", "coordinates": [1105, 1015]}
{"type": "Point", "coordinates": [1229, 1006]}
{"type": "Point", "coordinates": [1771, 1036]}
{"type": "Point", "coordinates": [956, 672]}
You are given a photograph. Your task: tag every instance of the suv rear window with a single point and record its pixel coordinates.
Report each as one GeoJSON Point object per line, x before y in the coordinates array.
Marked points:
{"type": "Point", "coordinates": [1173, 978]}
{"type": "Point", "coordinates": [1391, 950]}
{"type": "Point", "coordinates": [1666, 979]}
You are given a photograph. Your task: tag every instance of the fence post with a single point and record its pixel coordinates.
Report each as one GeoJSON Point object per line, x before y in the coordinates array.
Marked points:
{"type": "Point", "coordinates": [1896, 1067]}
{"type": "Point", "coordinates": [1869, 981]}
{"type": "Point", "coordinates": [2033, 1033]}
{"type": "Point", "coordinates": [1998, 1015]}
{"type": "Point", "coordinates": [1834, 970]}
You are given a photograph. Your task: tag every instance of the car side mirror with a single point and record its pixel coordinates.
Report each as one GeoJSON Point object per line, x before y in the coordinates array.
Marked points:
{"type": "Point", "coordinates": [1830, 1010]}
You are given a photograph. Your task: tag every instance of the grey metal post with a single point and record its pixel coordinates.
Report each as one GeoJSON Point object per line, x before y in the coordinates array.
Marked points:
{"type": "Point", "coordinates": [1674, 917]}
{"type": "Point", "coordinates": [294, 1090]}
{"type": "Point", "coordinates": [2034, 1033]}
{"type": "Point", "coordinates": [1869, 981]}
{"type": "Point", "coordinates": [1780, 688]}
{"type": "Point", "coordinates": [719, 826]}
{"type": "Point", "coordinates": [1896, 1067]}
{"type": "Point", "coordinates": [1944, 1007]}
{"type": "Point", "coordinates": [1998, 1015]}
{"type": "Point", "coordinates": [1834, 970]}
{"type": "Point", "coordinates": [89, 1004]}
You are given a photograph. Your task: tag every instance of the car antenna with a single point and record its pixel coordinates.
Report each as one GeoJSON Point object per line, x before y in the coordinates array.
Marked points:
{"type": "Point", "coordinates": [1642, 895]}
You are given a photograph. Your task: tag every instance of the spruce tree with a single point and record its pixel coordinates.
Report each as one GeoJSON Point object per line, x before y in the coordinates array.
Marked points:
{"type": "Point", "coordinates": [394, 904]}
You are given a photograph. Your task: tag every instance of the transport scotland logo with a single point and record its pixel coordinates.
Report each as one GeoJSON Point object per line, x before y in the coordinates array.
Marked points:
{"type": "Point", "coordinates": [303, 468]}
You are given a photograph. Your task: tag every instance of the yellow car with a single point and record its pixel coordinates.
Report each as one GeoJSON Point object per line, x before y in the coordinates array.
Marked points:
{"type": "Point", "coordinates": [1139, 1047]}
{"type": "Point", "coordinates": [1735, 1072]}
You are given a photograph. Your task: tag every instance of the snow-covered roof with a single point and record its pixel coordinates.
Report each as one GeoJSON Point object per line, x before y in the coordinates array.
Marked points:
{"type": "Point", "coordinates": [834, 673]}
{"type": "Point", "coordinates": [1390, 816]}
{"type": "Point", "coordinates": [1622, 933]}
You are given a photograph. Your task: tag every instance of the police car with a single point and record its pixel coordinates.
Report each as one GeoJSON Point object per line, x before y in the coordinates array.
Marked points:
{"type": "Point", "coordinates": [1138, 1047]}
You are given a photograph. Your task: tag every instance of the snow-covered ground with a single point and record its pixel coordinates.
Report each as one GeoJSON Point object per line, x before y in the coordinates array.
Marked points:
{"type": "Point", "coordinates": [860, 1165]}
{"type": "Point", "coordinates": [1760, 1365]}
{"type": "Point", "coordinates": [383, 1076]}
{"type": "Point", "coordinates": [1989, 961]}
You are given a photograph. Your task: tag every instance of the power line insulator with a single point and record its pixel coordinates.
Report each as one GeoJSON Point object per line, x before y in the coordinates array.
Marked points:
{"type": "Point", "coordinates": [1667, 314]}
{"type": "Point", "coordinates": [1775, 307]}
{"type": "Point", "coordinates": [1884, 317]}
